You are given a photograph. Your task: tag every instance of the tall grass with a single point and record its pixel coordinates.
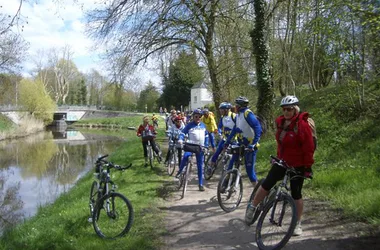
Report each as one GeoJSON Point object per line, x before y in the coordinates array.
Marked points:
{"type": "Point", "coordinates": [27, 125]}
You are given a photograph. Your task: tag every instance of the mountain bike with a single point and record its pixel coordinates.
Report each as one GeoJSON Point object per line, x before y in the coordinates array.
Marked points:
{"type": "Point", "coordinates": [277, 212]}
{"type": "Point", "coordinates": [230, 186]}
{"type": "Point", "coordinates": [111, 213]}
{"type": "Point", "coordinates": [173, 158]}
{"type": "Point", "coordinates": [222, 161]}
{"type": "Point", "coordinates": [185, 175]}
{"type": "Point", "coordinates": [152, 155]}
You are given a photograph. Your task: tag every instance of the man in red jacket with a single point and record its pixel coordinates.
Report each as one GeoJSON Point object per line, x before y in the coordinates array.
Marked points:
{"type": "Point", "coordinates": [147, 133]}
{"type": "Point", "coordinates": [295, 145]}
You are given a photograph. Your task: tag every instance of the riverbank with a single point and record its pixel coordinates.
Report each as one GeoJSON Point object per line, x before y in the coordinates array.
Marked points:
{"type": "Point", "coordinates": [27, 125]}
{"type": "Point", "coordinates": [63, 224]}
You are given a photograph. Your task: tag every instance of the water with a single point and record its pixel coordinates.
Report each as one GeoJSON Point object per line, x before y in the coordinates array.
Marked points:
{"type": "Point", "coordinates": [35, 170]}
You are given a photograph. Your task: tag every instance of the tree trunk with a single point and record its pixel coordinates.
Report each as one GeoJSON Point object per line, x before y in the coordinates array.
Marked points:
{"type": "Point", "coordinates": [264, 84]}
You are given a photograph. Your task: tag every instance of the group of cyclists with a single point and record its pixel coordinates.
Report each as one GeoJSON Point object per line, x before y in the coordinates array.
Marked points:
{"type": "Point", "coordinates": [241, 127]}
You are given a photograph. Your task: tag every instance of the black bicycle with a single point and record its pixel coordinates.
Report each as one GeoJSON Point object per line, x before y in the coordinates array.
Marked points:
{"type": "Point", "coordinates": [152, 155]}
{"type": "Point", "coordinates": [277, 212]}
{"type": "Point", "coordinates": [111, 213]}
{"type": "Point", "coordinates": [222, 162]}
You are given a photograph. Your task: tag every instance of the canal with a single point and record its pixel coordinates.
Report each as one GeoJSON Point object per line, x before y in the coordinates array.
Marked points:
{"type": "Point", "coordinates": [36, 169]}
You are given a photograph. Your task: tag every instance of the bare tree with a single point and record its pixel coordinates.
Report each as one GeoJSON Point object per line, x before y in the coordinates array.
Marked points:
{"type": "Point", "coordinates": [139, 29]}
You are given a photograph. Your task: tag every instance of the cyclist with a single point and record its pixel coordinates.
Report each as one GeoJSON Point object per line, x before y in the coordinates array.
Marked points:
{"type": "Point", "coordinates": [225, 126]}
{"type": "Point", "coordinates": [248, 131]}
{"type": "Point", "coordinates": [148, 133]}
{"type": "Point", "coordinates": [297, 149]}
{"type": "Point", "coordinates": [209, 120]}
{"type": "Point", "coordinates": [173, 134]}
{"type": "Point", "coordinates": [155, 120]}
{"type": "Point", "coordinates": [170, 119]}
{"type": "Point", "coordinates": [197, 134]}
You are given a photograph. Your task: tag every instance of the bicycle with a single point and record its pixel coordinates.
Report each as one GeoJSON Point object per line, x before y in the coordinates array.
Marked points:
{"type": "Point", "coordinates": [111, 213]}
{"type": "Point", "coordinates": [222, 161]}
{"type": "Point", "coordinates": [185, 175]}
{"type": "Point", "coordinates": [277, 212]}
{"type": "Point", "coordinates": [230, 186]}
{"type": "Point", "coordinates": [152, 155]}
{"type": "Point", "coordinates": [173, 158]}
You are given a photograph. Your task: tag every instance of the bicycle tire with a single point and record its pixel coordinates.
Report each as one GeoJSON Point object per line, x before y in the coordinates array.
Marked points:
{"type": "Point", "coordinates": [150, 155]}
{"type": "Point", "coordinates": [207, 174]}
{"type": "Point", "coordinates": [172, 162]}
{"type": "Point", "coordinates": [267, 226]}
{"type": "Point", "coordinates": [250, 200]}
{"type": "Point", "coordinates": [186, 178]}
{"type": "Point", "coordinates": [118, 221]}
{"type": "Point", "coordinates": [228, 197]}
{"type": "Point", "coordinates": [94, 196]}
{"type": "Point", "coordinates": [156, 156]}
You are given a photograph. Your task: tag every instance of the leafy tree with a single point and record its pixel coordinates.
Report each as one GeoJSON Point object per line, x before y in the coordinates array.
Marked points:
{"type": "Point", "coordinates": [183, 73]}
{"type": "Point", "coordinates": [35, 100]}
{"type": "Point", "coordinates": [148, 98]}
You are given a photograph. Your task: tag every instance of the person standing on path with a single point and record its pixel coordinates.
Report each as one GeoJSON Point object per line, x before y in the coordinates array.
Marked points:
{"type": "Point", "coordinates": [296, 148]}
{"type": "Point", "coordinates": [197, 134]}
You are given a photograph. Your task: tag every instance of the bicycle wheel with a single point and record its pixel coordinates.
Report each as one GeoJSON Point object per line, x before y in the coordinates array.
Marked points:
{"type": "Point", "coordinates": [94, 196]}
{"type": "Point", "coordinates": [150, 155]}
{"type": "Point", "coordinates": [113, 216]}
{"type": "Point", "coordinates": [172, 162]}
{"type": "Point", "coordinates": [250, 200]}
{"type": "Point", "coordinates": [229, 194]}
{"type": "Point", "coordinates": [156, 156]}
{"type": "Point", "coordinates": [208, 170]}
{"type": "Point", "coordinates": [186, 178]}
{"type": "Point", "coordinates": [276, 223]}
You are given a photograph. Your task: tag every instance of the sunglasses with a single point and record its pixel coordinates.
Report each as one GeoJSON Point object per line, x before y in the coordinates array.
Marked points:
{"type": "Point", "coordinates": [287, 109]}
{"type": "Point", "coordinates": [197, 116]}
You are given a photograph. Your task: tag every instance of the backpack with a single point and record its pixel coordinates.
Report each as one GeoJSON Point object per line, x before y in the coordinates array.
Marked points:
{"type": "Point", "coordinates": [261, 121]}
{"type": "Point", "coordinates": [311, 123]}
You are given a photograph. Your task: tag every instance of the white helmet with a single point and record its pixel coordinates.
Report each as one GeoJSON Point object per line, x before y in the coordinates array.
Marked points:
{"type": "Point", "coordinates": [289, 100]}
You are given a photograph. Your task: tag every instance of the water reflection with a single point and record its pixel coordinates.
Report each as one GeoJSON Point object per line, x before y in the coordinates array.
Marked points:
{"type": "Point", "coordinates": [37, 169]}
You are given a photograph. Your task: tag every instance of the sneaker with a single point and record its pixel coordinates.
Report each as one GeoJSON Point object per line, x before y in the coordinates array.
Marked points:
{"type": "Point", "coordinates": [298, 230]}
{"type": "Point", "coordinates": [250, 214]}
{"type": "Point", "coordinates": [178, 175]}
{"type": "Point", "coordinates": [201, 188]}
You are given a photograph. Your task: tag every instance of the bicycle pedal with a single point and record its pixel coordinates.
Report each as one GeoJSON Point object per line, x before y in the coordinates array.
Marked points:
{"type": "Point", "coordinates": [89, 219]}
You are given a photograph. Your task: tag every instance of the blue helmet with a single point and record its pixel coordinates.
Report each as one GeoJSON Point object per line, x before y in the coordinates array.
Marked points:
{"type": "Point", "coordinates": [225, 105]}
{"type": "Point", "coordinates": [197, 112]}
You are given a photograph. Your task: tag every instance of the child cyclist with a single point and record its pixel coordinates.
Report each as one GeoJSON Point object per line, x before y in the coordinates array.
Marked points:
{"type": "Point", "coordinates": [147, 133]}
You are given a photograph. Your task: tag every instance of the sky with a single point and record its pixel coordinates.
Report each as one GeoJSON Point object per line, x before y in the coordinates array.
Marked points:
{"type": "Point", "coordinates": [53, 26]}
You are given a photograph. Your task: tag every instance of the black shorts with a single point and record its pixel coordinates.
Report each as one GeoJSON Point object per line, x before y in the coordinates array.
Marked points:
{"type": "Point", "coordinates": [277, 173]}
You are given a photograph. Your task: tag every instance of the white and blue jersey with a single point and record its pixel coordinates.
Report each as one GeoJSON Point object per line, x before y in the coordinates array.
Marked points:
{"type": "Point", "coordinates": [248, 131]}
{"type": "Point", "coordinates": [197, 134]}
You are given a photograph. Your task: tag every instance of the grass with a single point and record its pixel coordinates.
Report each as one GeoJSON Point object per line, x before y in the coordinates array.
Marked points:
{"type": "Point", "coordinates": [63, 225]}
{"type": "Point", "coordinates": [346, 172]}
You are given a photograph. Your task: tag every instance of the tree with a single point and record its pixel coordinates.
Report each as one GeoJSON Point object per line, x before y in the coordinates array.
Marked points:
{"type": "Point", "coordinates": [183, 73]}
{"type": "Point", "coordinates": [265, 88]}
{"type": "Point", "coordinates": [148, 98]}
{"type": "Point", "coordinates": [35, 100]}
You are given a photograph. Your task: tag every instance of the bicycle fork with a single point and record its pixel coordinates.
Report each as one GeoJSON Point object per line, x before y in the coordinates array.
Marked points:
{"type": "Point", "coordinates": [283, 207]}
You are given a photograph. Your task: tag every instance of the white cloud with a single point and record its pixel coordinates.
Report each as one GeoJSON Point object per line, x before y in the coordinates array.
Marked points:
{"type": "Point", "coordinates": [55, 26]}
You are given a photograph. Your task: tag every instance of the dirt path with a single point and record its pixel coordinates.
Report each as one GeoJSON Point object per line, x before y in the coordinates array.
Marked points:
{"type": "Point", "coordinates": [197, 222]}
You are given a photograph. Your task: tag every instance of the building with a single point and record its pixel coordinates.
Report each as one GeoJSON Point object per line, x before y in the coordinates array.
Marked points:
{"type": "Point", "coordinates": [200, 96]}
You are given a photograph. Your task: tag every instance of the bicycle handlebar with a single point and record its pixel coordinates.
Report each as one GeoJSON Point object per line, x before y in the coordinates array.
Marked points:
{"type": "Point", "coordinates": [110, 164]}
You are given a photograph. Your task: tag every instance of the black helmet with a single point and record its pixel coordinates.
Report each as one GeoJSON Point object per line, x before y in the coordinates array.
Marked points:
{"type": "Point", "coordinates": [242, 101]}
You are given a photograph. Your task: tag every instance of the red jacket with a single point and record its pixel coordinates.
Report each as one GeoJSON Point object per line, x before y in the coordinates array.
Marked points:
{"type": "Point", "coordinates": [146, 132]}
{"type": "Point", "coordinates": [297, 147]}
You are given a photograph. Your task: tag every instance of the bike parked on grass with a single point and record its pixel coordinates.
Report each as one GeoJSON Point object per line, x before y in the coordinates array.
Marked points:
{"type": "Point", "coordinates": [277, 212]}
{"type": "Point", "coordinates": [111, 213]}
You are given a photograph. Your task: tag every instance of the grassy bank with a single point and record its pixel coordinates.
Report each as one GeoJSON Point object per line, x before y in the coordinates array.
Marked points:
{"type": "Point", "coordinates": [27, 125]}
{"type": "Point", "coordinates": [346, 169]}
{"type": "Point", "coordinates": [63, 225]}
